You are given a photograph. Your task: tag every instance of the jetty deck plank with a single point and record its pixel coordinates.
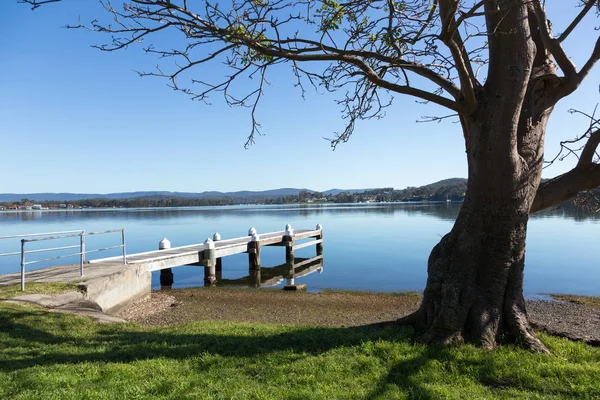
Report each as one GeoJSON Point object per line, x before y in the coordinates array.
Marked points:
{"type": "Point", "coordinates": [193, 254]}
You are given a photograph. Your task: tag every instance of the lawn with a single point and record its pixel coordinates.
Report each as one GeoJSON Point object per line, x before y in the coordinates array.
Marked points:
{"type": "Point", "coordinates": [45, 355]}
{"type": "Point", "coordinates": [6, 292]}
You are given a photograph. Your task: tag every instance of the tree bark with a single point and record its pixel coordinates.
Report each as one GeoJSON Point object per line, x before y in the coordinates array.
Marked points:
{"type": "Point", "coordinates": [474, 289]}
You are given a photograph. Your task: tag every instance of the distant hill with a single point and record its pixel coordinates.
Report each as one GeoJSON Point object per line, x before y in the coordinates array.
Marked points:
{"type": "Point", "coordinates": [247, 194]}
{"type": "Point", "coordinates": [444, 183]}
{"type": "Point", "coordinates": [244, 194]}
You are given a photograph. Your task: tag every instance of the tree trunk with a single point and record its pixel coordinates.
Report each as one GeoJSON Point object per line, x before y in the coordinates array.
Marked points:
{"type": "Point", "coordinates": [474, 288]}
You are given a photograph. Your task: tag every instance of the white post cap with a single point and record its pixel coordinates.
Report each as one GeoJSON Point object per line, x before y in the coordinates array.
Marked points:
{"type": "Point", "coordinates": [251, 231]}
{"type": "Point", "coordinates": [216, 236]}
{"type": "Point", "coordinates": [209, 244]}
{"type": "Point", "coordinates": [164, 244]}
{"type": "Point", "coordinates": [255, 237]}
{"type": "Point", "coordinates": [288, 230]}
{"type": "Point", "coordinates": [319, 227]}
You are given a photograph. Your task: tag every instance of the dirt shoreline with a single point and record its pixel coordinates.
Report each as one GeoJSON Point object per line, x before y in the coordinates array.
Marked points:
{"type": "Point", "coordinates": [331, 308]}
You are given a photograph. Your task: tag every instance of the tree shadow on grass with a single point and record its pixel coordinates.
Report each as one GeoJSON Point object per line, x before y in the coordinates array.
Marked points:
{"type": "Point", "coordinates": [18, 325]}
{"type": "Point", "coordinates": [128, 343]}
{"type": "Point", "coordinates": [404, 375]}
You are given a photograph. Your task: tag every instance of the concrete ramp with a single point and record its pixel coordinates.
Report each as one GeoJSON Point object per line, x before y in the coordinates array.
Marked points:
{"type": "Point", "coordinates": [110, 286]}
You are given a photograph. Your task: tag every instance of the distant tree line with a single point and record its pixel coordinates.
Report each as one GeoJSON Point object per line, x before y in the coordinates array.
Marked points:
{"type": "Point", "coordinates": [450, 189]}
{"type": "Point", "coordinates": [435, 192]}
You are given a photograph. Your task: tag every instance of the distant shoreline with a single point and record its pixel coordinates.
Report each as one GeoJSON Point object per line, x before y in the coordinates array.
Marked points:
{"type": "Point", "coordinates": [234, 205]}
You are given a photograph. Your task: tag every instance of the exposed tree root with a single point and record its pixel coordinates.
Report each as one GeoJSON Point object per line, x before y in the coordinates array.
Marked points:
{"type": "Point", "coordinates": [517, 328]}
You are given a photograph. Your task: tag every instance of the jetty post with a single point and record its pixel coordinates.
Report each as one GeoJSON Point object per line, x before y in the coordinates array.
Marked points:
{"type": "Point", "coordinates": [209, 256]}
{"type": "Point", "coordinates": [219, 262]}
{"type": "Point", "coordinates": [288, 240]}
{"type": "Point", "coordinates": [320, 240]}
{"type": "Point", "coordinates": [166, 275]}
{"type": "Point", "coordinates": [254, 257]}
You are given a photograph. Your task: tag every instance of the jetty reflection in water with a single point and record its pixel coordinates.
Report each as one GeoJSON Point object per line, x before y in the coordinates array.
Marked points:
{"type": "Point", "coordinates": [260, 277]}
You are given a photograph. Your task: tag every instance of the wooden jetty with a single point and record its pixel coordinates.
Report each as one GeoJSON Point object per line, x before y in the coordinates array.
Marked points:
{"type": "Point", "coordinates": [210, 253]}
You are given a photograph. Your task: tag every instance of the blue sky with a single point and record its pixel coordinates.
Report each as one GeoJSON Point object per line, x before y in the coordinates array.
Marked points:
{"type": "Point", "coordinates": [75, 119]}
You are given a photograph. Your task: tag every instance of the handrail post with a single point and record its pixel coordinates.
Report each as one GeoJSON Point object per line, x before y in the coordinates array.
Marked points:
{"type": "Point", "coordinates": [123, 244]}
{"type": "Point", "coordinates": [22, 265]}
{"type": "Point", "coordinates": [81, 252]}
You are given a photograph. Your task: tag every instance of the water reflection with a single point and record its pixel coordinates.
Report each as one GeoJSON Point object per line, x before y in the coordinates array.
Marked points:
{"type": "Point", "coordinates": [257, 277]}
{"type": "Point", "coordinates": [398, 240]}
{"type": "Point", "coordinates": [442, 210]}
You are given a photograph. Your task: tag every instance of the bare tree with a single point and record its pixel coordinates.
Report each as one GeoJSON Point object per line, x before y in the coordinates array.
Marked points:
{"type": "Point", "coordinates": [495, 64]}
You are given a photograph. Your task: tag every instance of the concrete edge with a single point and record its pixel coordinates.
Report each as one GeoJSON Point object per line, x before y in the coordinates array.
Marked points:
{"type": "Point", "coordinates": [116, 291]}
{"type": "Point", "coordinates": [101, 297]}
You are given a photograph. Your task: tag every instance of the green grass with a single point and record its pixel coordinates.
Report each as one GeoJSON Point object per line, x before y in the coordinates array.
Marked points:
{"type": "Point", "coordinates": [589, 301]}
{"type": "Point", "coordinates": [7, 292]}
{"type": "Point", "coordinates": [47, 355]}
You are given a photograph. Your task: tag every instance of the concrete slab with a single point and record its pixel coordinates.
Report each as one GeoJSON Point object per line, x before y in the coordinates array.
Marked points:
{"type": "Point", "coordinates": [110, 286]}
{"type": "Point", "coordinates": [63, 273]}
{"type": "Point", "coordinates": [88, 309]}
{"type": "Point", "coordinates": [48, 301]}
{"type": "Point", "coordinates": [113, 292]}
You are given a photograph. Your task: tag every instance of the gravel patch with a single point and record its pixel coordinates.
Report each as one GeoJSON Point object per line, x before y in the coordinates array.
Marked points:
{"type": "Point", "coordinates": [566, 319]}
{"type": "Point", "coordinates": [158, 302]}
{"type": "Point", "coordinates": [271, 306]}
{"type": "Point", "coordinates": [337, 309]}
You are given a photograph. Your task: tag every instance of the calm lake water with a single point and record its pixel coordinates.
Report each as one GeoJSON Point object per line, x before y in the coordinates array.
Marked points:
{"type": "Point", "coordinates": [380, 247]}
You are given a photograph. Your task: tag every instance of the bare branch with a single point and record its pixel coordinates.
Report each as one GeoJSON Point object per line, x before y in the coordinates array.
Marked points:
{"type": "Point", "coordinates": [371, 49]}
{"type": "Point", "coordinates": [435, 118]}
{"type": "Point", "coordinates": [573, 147]}
{"type": "Point", "coordinates": [587, 67]}
{"type": "Point", "coordinates": [589, 150]}
{"type": "Point", "coordinates": [37, 3]}
{"type": "Point", "coordinates": [585, 175]}
{"type": "Point", "coordinates": [588, 6]}
{"type": "Point", "coordinates": [553, 45]}
{"type": "Point", "coordinates": [566, 186]}
{"type": "Point", "coordinates": [452, 39]}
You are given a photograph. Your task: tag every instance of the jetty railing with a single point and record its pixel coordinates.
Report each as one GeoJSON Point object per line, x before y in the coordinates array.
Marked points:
{"type": "Point", "coordinates": [39, 237]}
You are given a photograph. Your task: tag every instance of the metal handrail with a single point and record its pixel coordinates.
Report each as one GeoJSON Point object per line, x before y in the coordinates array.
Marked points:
{"type": "Point", "coordinates": [106, 248]}
{"type": "Point", "coordinates": [36, 237]}
{"type": "Point", "coordinates": [53, 249]}
{"type": "Point", "coordinates": [77, 233]}
{"type": "Point", "coordinates": [52, 237]}
{"type": "Point", "coordinates": [40, 234]}
{"type": "Point", "coordinates": [14, 253]}
{"type": "Point", "coordinates": [53, 258]}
